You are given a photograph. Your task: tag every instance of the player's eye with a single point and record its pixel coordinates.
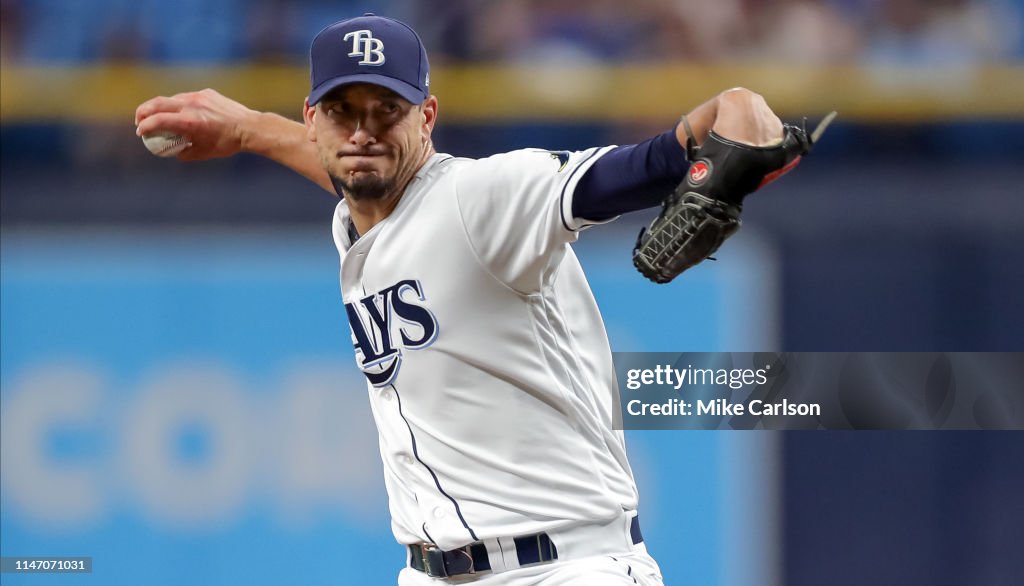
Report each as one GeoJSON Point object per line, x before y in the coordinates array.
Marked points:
{"type": "Point", "coordinates": [338, 108]}
{"type": "Point", "coordinates": [389, 107]}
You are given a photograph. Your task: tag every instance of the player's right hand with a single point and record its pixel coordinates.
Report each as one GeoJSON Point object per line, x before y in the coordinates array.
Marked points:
{"type": "Point", "coordinates": [213, 123]}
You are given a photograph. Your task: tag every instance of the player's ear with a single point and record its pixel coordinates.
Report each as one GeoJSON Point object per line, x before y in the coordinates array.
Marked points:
{"type": "Point", "coordinates": [307, 117]}
{"type": "Point", "coordinates": [429, 110]}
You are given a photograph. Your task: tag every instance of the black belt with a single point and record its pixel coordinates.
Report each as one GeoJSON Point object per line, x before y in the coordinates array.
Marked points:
{"type": "Point", "coordinates": [530, 549]}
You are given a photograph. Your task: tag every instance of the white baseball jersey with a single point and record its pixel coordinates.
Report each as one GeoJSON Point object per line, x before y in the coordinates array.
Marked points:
{"type": "Point", "coordinates": [490, 373]}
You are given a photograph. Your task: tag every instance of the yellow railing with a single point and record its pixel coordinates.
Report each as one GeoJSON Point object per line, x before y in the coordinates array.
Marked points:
{"type": "Point", "coordinates": [504, 94]}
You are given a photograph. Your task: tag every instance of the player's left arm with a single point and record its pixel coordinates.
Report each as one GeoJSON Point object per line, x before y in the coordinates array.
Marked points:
{"type": "Point", "coordinates": [635, 177]}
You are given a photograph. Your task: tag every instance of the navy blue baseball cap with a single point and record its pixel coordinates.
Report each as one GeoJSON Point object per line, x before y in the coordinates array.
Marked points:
{"type": "Point", "coordinates": [369, 49]}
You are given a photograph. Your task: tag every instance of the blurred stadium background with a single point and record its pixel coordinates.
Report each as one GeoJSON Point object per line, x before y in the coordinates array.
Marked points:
{"type": "Point", "coordinates": [178, 396]}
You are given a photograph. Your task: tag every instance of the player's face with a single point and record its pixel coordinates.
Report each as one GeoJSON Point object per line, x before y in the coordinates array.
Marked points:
{"type": "Point", "coordinates": [371, 140]}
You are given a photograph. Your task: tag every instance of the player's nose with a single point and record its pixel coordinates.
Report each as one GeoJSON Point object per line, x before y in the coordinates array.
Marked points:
{"type": "Point", "coordinates": [363, 134]}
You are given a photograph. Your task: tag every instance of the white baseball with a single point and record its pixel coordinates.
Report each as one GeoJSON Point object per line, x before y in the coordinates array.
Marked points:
{"type": "Point", "coordinates": [165, 144]}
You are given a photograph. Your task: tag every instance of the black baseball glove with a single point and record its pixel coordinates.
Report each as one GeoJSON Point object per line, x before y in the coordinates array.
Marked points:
{"type": "Point", "coordinates": [705, 208]}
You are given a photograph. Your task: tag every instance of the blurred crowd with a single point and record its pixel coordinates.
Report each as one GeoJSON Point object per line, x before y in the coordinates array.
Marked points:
{"type": "Point", "coordinates": [932, 32]}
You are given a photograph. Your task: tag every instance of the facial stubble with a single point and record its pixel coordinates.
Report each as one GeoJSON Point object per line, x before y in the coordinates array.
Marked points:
{"type": "Point", "coordinates": [366, 186]}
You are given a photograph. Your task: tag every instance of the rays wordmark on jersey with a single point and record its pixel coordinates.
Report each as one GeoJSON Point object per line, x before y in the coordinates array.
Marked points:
{"type": "Point", "coordinates": [379, 338]}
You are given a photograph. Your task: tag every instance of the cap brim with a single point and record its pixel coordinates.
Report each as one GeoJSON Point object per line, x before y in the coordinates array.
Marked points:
{"type": "Point", "coordinates": [410, 93]}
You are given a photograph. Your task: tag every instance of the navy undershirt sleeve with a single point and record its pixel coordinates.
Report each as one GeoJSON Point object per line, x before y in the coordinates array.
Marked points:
{"type": "Point", "coordinates": [630, 177]}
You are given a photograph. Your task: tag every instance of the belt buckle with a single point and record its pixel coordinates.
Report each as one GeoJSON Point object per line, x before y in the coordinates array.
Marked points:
{"type": "Point", "coordinates": [433, 561]}
{"type": "Point", "coordinates": [434, 564]}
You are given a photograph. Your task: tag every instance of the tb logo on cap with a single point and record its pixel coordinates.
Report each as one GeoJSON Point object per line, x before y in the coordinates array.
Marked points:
{"type": "Point", "coordinates": [363, 43]}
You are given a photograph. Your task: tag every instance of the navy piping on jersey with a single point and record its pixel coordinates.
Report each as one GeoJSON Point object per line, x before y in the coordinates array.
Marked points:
{"type": "Point", "coordinates": [629, 569]}
{"type": "Point", "coordinates": [561, 197]}
{"type": "Point", "coordinates": [415, 452]}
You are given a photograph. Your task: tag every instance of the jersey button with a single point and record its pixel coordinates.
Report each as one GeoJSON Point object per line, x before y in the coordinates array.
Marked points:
{"type": "Point", "coordinates": [438, 513]}
{"type": "Point", "coordinates": [388, 395]}
{"type": "Point", "coordinates": [406, 459]}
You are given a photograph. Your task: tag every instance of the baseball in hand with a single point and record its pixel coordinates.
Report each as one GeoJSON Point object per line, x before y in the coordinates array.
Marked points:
{"type": "Point", "coordinates": [165, 144]}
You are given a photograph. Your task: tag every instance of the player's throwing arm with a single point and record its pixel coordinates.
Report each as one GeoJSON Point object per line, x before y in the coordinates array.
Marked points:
{"type": "Point", "coordinates": [202, 125]}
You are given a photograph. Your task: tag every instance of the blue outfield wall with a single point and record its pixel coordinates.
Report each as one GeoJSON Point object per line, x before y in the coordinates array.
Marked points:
{"type": "Point", "coordinates": [183, 406]}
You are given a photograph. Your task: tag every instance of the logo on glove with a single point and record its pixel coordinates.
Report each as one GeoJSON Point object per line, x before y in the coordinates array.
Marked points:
{"type": "Point", "coordinates": [699, 173]}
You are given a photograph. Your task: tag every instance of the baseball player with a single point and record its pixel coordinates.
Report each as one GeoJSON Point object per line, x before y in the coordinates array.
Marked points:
{"type": "Point", "coordinates": [489, 371]}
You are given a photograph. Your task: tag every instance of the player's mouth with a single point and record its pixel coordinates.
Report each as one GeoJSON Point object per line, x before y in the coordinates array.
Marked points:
{"type": "Point", "coordinates": [363, 153]}
{"type": "Point", "coordinates": [363, 161]}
